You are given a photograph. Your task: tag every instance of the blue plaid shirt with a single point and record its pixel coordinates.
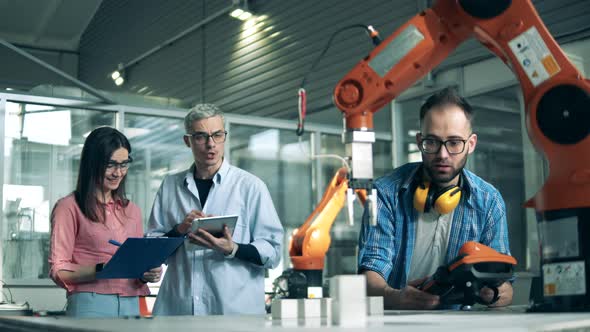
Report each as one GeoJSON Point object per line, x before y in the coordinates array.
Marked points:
{"type": "Point", "coordinates": [387, 248]}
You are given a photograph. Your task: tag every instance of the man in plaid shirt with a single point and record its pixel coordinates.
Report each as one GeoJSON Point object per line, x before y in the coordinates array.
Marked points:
{"type": "Point", "coordinates": [409, 243]}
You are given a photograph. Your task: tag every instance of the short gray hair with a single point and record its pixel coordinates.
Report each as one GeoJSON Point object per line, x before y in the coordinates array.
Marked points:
{"type": "Point", "coordinates": [200, 112]}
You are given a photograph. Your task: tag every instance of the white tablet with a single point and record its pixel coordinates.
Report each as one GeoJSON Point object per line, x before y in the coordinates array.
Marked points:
{"type": "Point", "coordinates": [214, 225]}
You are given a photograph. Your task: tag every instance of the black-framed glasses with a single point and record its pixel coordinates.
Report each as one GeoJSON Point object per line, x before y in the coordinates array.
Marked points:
{"type": "Point", "coordinates": [123, 166]}
{"type": "Point", "coordinates": [201, 137]}
{"type": "Point", "coordinates": [433, 145]}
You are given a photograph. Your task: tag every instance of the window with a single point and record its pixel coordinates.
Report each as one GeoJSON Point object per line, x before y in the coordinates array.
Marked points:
{"type": "Point", "coordinates": [42, 155]}
{"type": "Point", "coordinates": [41, 159]}
{"type": "Point", "coordinates": [282, 162]}
{"type": "Point", "coordinates": [158, 150]}
{"type": "Point", "coordinates": [276, 156]}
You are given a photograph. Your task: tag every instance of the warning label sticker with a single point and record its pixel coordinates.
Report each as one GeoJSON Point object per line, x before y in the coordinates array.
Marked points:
{"type": "Point", "coordinates": [534, 56]}
{"type": "Point", "coordinates": [565, 278]}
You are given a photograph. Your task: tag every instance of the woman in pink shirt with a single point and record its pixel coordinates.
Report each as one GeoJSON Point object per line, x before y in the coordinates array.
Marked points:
{"type": "Point", "coordinates": [84, 222]}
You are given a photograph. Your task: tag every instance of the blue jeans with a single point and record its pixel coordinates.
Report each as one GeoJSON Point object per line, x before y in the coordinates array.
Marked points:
{"type": "Point", "coordinates": [91, 305]}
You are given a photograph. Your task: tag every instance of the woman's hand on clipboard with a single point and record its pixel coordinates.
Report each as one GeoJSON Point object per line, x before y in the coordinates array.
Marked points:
{"type": "Point", "coordinates": [152, 275]}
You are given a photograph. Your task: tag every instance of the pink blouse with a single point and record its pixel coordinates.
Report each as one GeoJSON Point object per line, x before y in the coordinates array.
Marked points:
{"type": "Point", "coordinates": [77, 241]}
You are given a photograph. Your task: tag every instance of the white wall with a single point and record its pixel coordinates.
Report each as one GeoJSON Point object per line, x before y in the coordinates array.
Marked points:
{"type": "Point", "coordinates": [49, 298]}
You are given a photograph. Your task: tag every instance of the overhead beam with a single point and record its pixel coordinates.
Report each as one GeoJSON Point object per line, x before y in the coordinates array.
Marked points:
{"type": "Point", "coordinates": [175, 38]}
{"type": "Point", "coordinates": [61, 73]}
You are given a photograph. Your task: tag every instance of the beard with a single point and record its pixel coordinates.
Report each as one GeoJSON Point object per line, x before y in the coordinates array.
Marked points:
{"type": "Point", "coordinates": [442, 179]}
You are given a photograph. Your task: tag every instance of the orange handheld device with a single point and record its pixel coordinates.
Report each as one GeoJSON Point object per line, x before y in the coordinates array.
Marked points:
{"type": "Point", "coordinates": [475, 267]}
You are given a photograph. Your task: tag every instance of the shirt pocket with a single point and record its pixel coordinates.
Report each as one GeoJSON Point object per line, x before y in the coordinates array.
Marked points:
{"type": "Point", "coordinates": [241, 232]}
{"type": "Point", "coordinates": [93, 239]}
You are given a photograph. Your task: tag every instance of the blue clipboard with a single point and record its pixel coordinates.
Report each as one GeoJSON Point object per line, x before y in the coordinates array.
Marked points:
{"type": "Point", "coordinates": [138, 255]}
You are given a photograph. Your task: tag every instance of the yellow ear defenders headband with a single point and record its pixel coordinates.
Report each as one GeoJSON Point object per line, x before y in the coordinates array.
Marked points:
{"type": "Point", "coordinates": [443, 201]}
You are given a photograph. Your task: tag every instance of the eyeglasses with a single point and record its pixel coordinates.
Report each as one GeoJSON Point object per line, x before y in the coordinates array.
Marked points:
{"type": "Point", "coordinates": [202, 138]}
{"type": "Point", "coordinates": [432, 146]}
{"type": "Point", "coordinates": [123, 166]}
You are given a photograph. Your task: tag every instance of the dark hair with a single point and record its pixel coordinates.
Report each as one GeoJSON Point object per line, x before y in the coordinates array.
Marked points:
{"type": "Point", "coordinates": [447, 96]}
{"type": "Point", "coordinates": [96, 153]}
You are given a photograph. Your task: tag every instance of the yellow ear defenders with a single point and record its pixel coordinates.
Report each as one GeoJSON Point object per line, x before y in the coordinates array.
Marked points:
{"type": "Point", "coordinates": [443, 201]}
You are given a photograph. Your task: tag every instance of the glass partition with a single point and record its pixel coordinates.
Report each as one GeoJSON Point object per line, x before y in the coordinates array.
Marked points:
{"type": "Point", "coordinates": [158, 150]}
{"type": "Point", "coordinates": [42, 154]}
{"type": "Point", "coordinates": [499, 158]}
{"type": "Point", "coordinates": [276, 157]}
{"type": "Point", "coordinates": [41, 159]}
{"type": "Point", "coordinates": [282, 162]}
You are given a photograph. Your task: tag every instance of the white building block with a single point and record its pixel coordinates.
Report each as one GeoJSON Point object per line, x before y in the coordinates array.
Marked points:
{"type": "Point", "coordinates": [349, 314]}
{"type": "Point", "coordinates": [284, 308]}
{"type": "Point", "coordinates": [348, 288]}
{"type": "Point", "coordinates": [326, 310]}
{"type": "Point", "coordinates": [308, 308]}
{"type": "Point", "coordinates": [315, 292]}
{"type": "Point", "coordinates": [375, 305]}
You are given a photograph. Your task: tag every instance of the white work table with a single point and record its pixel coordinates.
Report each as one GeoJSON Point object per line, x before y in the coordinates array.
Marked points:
{"type": "Point", "coordinates": [508, 319]}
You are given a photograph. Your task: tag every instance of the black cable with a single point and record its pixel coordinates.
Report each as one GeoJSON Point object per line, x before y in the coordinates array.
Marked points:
{"type": "Point", "coordinates": [334, 34]}
{"type": "Point", "coordinates": [302, 95]}
{"type": "Point", "coordinates": [8, 289]}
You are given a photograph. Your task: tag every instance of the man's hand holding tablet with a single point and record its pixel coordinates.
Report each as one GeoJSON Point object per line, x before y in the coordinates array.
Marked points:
{"type": "Point", "coordinates": [214, 233]}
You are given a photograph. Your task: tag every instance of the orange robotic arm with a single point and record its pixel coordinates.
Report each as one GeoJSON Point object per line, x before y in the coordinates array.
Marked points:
{"type": "Point", "coordinates": [557, 100]}
{"type": "Point", "coordinates": [556, 95]}
{"type": "Point", "coordinates": [311, 241]}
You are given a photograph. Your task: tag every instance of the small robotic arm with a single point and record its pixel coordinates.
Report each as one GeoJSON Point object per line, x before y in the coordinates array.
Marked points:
{"type": "Point", "coordinates": [310, 242]}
